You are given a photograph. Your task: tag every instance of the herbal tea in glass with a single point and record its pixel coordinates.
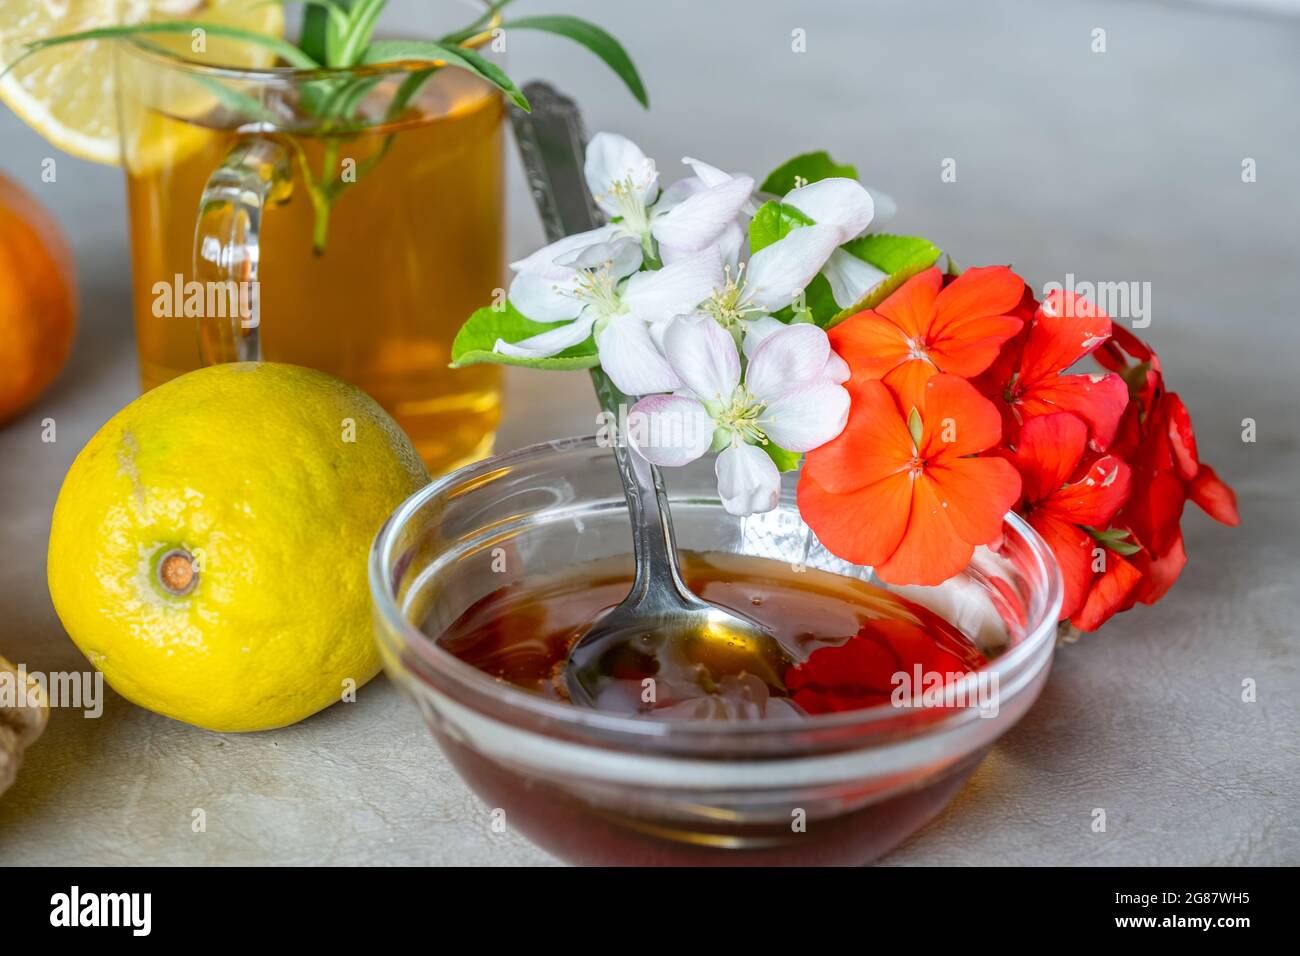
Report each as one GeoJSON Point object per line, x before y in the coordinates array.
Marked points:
{"type": "Point", "coordinates": [371, 287]}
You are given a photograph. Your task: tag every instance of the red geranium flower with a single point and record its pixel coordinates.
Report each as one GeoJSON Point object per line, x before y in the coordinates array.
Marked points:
{"type": "Point", "coordinates": [897, 489]}
{"type": "Point", "coordinates": [1062, 500]}
{"type": "Point", "coordinates": [1026, 380]}
{"type": "Point", "coordinates": [926, 327]}
{"type": "Point", "coordinates": [1156, 437]}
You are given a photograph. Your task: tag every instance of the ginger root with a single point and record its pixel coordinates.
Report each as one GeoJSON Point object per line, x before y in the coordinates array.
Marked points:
{"type": "Point", "coordinates": [23, 713]}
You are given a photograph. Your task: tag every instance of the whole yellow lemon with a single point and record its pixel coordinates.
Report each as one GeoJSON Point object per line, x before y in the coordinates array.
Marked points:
{"type": "Point", "coordinates": [209, 545]}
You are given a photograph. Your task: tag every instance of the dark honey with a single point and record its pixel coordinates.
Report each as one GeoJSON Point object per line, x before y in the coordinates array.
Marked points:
{"type": "Point", "coordinates": [847, 640]}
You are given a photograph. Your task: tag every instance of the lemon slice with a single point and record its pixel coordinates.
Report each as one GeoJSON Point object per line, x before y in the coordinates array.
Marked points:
{"type": "Point", "coordinates": [65, 93]}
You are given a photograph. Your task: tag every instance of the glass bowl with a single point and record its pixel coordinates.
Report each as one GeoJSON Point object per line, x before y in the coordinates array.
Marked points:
{"type": "Point", "coordinates": [596, 788]}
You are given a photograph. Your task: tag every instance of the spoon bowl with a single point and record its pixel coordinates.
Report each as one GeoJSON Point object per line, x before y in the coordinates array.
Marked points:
{"type": "Point", "coordinates": [691, 649]}
{"type": "Point", "coordinates": [689, 646]}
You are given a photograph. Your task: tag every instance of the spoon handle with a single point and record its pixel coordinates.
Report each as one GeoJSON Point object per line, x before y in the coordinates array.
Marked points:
{"type": "Point", "coordinates": [551, 144]}
{"type": "Point", "coordinates": [658, 584]}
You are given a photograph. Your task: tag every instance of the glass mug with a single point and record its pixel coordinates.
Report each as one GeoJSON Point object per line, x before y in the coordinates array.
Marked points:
{"type": "Point", "coordinates": [351, 238]}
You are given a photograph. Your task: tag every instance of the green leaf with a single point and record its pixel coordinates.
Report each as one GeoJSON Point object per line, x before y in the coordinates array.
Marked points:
{"type": "Point", "coordinates": [477, 25]}
{"type": "Point", "coordinates": [899, 257]}
{"type": "Point", "coordinates": [594, 39]}
{"type": "Point", "coordinates": [284, 49]}
{"type": "Point", "coordinates": [406, 92]}
{"type": "Point", "coordinates": [1114, 540]}
{"type": "Point", "coordinates": [322, 23]}
{"type": "Point", "coordinates": [784, 460]}
{"type": "Point", "coordinates": [914, 426]}
{"type": "Point", "coordinates": [819, 300]}
{"type": "Point", "coordinates": [773, 221]}
{"type": "Point", "coordinates": [891, 254]}
{"type": "Point", "coordinates": [355, 38]}
{"type": "Point", "coordinates": [477, 337]}
{"type": "Point", "coordinates": [1123, 548]}
{"type": "Point", "coordinates": [808, 167]}
{"type": "Point", "coordinates": [390, 51]}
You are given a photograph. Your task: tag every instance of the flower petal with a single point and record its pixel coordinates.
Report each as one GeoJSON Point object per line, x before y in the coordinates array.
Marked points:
{"type": "Point", "coordinates": [1050, 449]}
{"type": "Point", "coordinates": [791, 356]}
{"type": "Point", "coordinates": [1065, 329]}
{"type": "Point", "coordinates": [678, 287]}
{"type": "Point", "coordinates": [1182, 439]}
{"type": "Point", "coordinates": [728, 244]}
{"type": "Point", "coordinates": [1073, 549]}
{"type": "Point", "coordinates": [748, 480]}
{"type": "Point", "coordinates": [615, 160]}
{"type": "Point", "coordinates": [620, 256]}
{"type": "Point", "coordinates": [863, 526]}
{"type": "Point", "coordinates": [757, 330]}
{"type": "Point", "coordinates": [1094, 498]}
{"type": "Point", "coordinates": [808, 416]}
{"type": "Point", "coordinates": [669, 430]}
{"type": "Point", "coordinates": [975, 494]}
{"type": "Point", "coordinates": [1098, 399]}
{"type": "Point", "coordinates": [930, 551]}
{"type": "Point", "coordinates": [544, 261]}
{"type": "Point", "coordinates": [836, 201]}
{"type": "Point", "coordinates": [874, 445]}
{"type": "Point", "coordinates": [968, 346]}
{"type": "Point", "coordinates": [1155, 508]}
{"type": "Point", "coordinates": [543, 299]}
{"type": "Point", "coordinates": [957, 419]}
{"type": "Point", "coordinates": [710, 176]}
{"type": "Point", "coordinates": [977, 293]}
{"type": "Point", "coordinates": [1214, 496]}
{"type": "Point", "coordinates": [911, 305]}
{"type": "Point", "coordinates": [870, 343]}
{"type": "Point", "coordinates": [850, 278]}
{"type": "Point", "coordinates": [548, 343]}
{"type": "Point", "coordinates": [776, 274]}
{"type": "Point", "coordinates": [630, 358]}
{"type": "Point", "coordinates": [677, 192]}
{"type": "Point", "coordinates": [1161, 571]}
{"type": "Point", "coordinates": [907, 382]}
{"type": "Point", "coordinates": [1108, 593]}
{"type": "Point", "coordinates": [696, 222]}
{"type": "Point", "coordinates": [703, 354]}
{"type": "Point", "coordinates": [837, 370]}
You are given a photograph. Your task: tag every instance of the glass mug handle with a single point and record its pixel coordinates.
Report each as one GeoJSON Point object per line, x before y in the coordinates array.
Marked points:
{"type": "Point", "coordinates": [255, 175]}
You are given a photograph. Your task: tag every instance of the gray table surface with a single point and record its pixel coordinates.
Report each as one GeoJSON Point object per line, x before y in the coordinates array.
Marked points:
{"type": "Point", "coordinates": [1117, 166]}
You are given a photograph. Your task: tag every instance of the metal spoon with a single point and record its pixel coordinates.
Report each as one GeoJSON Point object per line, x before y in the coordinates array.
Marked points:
{"type": "Point", "coordinates": [689, 645]}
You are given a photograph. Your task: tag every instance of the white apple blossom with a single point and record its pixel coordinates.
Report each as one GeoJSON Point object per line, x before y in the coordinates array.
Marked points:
{"type": "Point", "coordinates": [594, 282]}
{"type": "Point", "coordinates": [786, 397]}
{"type": "Point", "coordinates": [598, 283]}
{"type": "Point", "coordinates": [625, 184]}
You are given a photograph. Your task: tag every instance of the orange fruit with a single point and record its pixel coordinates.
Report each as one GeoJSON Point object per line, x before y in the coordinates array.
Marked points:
{"type": "Point", "coordinates": [38, 305]}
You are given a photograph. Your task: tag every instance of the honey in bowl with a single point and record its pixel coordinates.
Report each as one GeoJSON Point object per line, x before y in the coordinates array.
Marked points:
{"type": "Point", "coordinates": [852, 645]}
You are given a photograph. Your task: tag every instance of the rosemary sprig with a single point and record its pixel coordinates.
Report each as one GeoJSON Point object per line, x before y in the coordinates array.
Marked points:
{"type": "Point", "coordinates": [338, 35]}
